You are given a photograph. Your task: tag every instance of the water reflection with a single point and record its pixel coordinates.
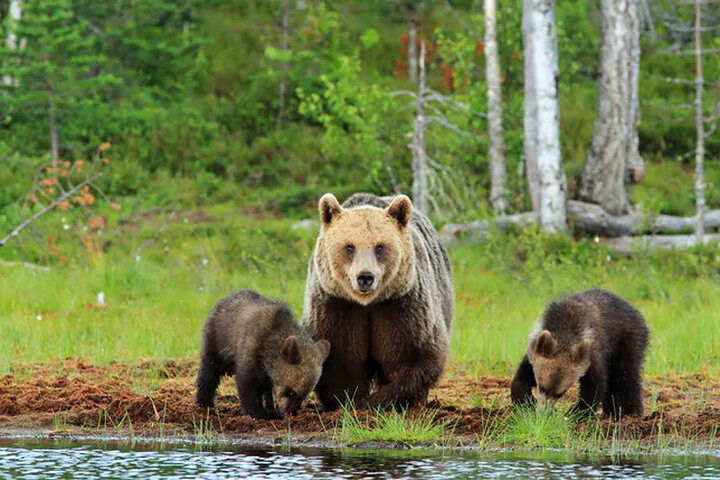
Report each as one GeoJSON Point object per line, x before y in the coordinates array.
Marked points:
{"type": "Point", "coordinates": [88, 460]}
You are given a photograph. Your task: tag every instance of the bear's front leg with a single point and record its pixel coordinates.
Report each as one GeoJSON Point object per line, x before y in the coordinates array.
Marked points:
{"type": "Point", "coordinates": [251, 391]}
{"type": "Point", "coordinates": [345, 375]}
{"type": "Point", "coordinates": [523, 383]}
{"type": "Point", "coordinates": [409, 386]}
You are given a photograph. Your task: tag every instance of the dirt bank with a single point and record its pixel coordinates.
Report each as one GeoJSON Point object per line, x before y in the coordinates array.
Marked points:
{"type": "Point", "coordinates": [150, 398]}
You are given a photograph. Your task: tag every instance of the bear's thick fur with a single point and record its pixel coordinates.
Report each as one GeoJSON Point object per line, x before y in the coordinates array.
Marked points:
{"type": "Point", "coordinates": [379, 288]}
{"type": "Point", "coordinates": [594, 337]}
{"type": "Point", "coordinates": [275, 362]}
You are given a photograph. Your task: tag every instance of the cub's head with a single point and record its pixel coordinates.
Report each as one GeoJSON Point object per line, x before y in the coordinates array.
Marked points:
{"type": "Point", "coordinates": [296, 372]}
{"type": "Point", "coordinates": [556, 370]}
{"type": "Point", "coordinates": [364, 252]}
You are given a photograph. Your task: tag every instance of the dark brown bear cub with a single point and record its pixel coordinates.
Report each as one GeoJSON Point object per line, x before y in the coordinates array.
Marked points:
{"type": "Point", "coordinates": [594, 337]}
{"type": "Point", "coordinates": [275, 363]}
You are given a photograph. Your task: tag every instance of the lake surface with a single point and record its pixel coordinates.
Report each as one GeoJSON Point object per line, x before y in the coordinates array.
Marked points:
{"type": "Point", "coordinates": [42, 459]}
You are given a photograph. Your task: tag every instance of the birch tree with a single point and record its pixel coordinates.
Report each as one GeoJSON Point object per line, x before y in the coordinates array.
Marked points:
{"type": "Point", "coordinates": [498, 175]}
{"type": "Point", "coordinates": [11, 41]}
{"type": "Point", "coordinates": [284, 43]}
{"type": "Point", "coordinates": [412, 59]}
{"type": "Point", "coordinates": [613, 159]}
{"type": "Point", "coordinates": [546, 180]}
{"type": "Point", "coordinates": [700, 130]}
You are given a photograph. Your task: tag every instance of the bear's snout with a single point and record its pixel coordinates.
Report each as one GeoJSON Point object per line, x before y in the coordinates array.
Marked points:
{"type": "Point", "coordinates": [365, 281]}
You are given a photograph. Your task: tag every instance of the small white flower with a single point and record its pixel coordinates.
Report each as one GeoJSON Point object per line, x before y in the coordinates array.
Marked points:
{"type": "Point", "coordinates": [62, 219]}
{"type": "Point", "coordinates": [38, 317]}
{"type": "Point", "coordinates": [597, 239]}
{"type": "Point", "coordinates": [101, 299]}
{"type": "Point", "coordinates": [204, 261]}
{"type": "Point", "coordinates": [66, 226]}
{"type": "Point", "coordinates": [137, 258]}
{"type": "Point", "coordinates": [608, 258]}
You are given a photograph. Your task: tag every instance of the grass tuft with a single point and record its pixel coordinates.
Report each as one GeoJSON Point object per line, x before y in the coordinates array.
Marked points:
{"type": "Point", "coordinates": [390, 427]}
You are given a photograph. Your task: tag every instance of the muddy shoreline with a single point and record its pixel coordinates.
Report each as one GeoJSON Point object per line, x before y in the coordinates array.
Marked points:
{"type": "Point", "coordinates": [155, 400]}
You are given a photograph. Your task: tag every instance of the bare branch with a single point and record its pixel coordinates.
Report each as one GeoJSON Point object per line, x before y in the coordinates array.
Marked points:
{"type": "Point", "coordinates": [46, 209]}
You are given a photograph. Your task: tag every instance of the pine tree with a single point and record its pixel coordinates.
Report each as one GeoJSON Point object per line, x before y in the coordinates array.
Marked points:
{"type": "Point", "coordinates": [58, 73]}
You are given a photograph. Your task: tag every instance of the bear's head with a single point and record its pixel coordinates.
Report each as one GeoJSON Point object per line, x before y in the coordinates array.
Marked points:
{"type": "Point", "coordinates": [556, 369]}
{"type": "Point", "coordinates": [295, 372]}
{"type": "Point", "coordinates": [364, 253]}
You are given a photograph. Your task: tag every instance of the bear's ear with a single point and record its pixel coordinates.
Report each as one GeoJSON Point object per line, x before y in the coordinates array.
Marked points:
{"type": "Point", "coordinates": [291, 350]}
{"type": "Point", "coordinates": [400, 210]}
{"type": "Point", "coordinates": [545, 345]}
{"type": "Point", "coordinates": [324, 347]}
{"type": "Point", "coordinates": [329, 208]}
{"type": "Point", "coordinates": [581, 352]}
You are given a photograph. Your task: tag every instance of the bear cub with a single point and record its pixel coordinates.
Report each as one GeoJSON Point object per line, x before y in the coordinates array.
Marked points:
{"type": "Point", "coordinates": [276, 364]}
{"type": "Point", "coordinates": [594, 337]}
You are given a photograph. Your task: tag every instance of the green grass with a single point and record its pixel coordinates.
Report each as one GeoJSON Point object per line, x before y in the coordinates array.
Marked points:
{"type": "Point", "coordinates": [390, 427]}
{"type": "Point", "coordinates": [155, 307]}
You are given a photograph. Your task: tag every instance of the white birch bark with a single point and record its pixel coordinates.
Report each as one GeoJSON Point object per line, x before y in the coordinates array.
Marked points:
{"type": "Point", "coordinates": [700, 128]}
{"type": "Point", "coordinates": [530, 108]}
{"type": "Point", "coordinates": [285, 26]}
{"type": "Point", "coordinates": [412, 49]}
{"type": "Point", "coordinates": [14, 15]}
{"type": "Point", "coordinates": [498, 175]}
{"type": "Point", "coordinates": [419, 161]}
{"type": "Point", "coordinates": [613, 158]}
{"type": "Point", "coordinates": [543, 83]}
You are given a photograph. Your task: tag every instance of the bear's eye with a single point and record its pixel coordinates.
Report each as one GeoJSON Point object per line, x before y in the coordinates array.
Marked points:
{"type": "Point", "coordinates": [290, 393]}
{"type": "Point", "coordinates": [350, 248]}
{"type": "Point", "coordinates": [379, 249]}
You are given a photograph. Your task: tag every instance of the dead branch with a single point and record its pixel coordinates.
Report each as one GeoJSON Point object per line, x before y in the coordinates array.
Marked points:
{"type": "Point", "coordinates": [47, 208]}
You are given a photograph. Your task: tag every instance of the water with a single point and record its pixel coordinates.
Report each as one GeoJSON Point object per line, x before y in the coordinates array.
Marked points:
{"type": "Point", "coordinates": [84, 460]}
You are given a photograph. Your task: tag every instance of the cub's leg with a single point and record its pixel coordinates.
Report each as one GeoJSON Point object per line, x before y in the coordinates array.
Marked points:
{"type": "Point", "coordinates": [593, 386]}
{"type": "Point", "coordinates": [251, 390]}
{"type": "Point", "coordinates": [208, 379]}
{"type": "Point", "coordinates": [624, 394]}
{"type": "Point", "coordinates": [522, 384]}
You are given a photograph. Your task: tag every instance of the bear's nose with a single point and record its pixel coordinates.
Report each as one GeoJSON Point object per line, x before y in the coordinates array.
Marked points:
{"type": "Point", "coordinates": [365, 281]}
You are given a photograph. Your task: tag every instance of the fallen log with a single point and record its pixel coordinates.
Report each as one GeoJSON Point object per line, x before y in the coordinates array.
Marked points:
{"type": "Point", "coordinates": [628, 245]}
{"type": "Point", "coordinates": [593, 219]}
{"type": "Point", "coordinates": [583, 218]}
{"type": "Point", "coordinates": [478, 230]}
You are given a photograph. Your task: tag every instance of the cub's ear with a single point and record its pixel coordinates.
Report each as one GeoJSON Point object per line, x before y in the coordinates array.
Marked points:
{"type": "Point", "coordinates": [291, 350]}
{"type": "Point", "coordinates": [324, 347]}
{"type": "Point", "coordinates": [329, 208]}
{"type": "Point", "coordinates": [400, 210]}
{"type": "Point", "coordinates": [581, 352]}
{"type": "Point", "coordinates": [545, 344]}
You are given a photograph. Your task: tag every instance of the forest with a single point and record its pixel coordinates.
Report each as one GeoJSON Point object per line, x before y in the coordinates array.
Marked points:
{"type": "Point", "coordinates": [157, 154]}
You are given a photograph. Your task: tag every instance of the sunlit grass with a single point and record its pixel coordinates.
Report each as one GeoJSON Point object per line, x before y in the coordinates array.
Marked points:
{"type": "Point", "coordinates": [389, 427]}
{"type": "Point", "coordinates": [155, 307]}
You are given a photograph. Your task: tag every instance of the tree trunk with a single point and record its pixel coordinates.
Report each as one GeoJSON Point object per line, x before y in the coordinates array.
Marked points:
{"type": "Point", "coordinates": [14, 15]}
{"type": "Point", "coordinates": [412, 48]}
{"type": "Point", "coordinates": [285, 25]}
{"type": "Point", "coordinates": [541, 36]}
{"type": "Point", "coordinates": [498, 175]}
{"type": "Point", "coordinates": [530, 109]}
{"type": "Point", "coordinates": [613, 158]}
{"type": "Point", "coordinates": [52, 121]}
{"type": "Point", "coordinates": [419, 162]}
{"type": "Point", "coordinates": [700, 128]}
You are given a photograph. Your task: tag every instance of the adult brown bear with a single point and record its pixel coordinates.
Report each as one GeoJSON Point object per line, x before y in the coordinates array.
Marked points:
{"type": "Point", "coordinates": [379, 288]}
